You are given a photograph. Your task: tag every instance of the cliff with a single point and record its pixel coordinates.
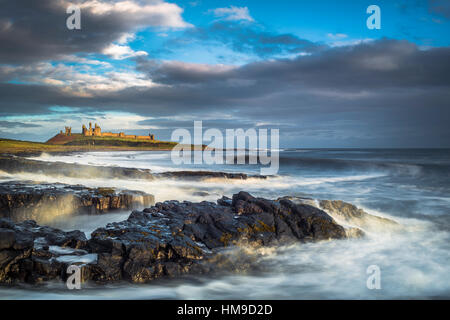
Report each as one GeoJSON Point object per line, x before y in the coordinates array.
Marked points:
{"type": "Point", "coordinates": [62, 139]}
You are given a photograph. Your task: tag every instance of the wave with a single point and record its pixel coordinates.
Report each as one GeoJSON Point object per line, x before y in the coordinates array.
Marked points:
{"type": "Point", "coordinates": [413, 262]}
{"type": "Point", "coordinates": [413, 265]}
{"type": "Point", "coordinates": [392, 167]}
{"type": "Point", "coordinates": [291, 162]}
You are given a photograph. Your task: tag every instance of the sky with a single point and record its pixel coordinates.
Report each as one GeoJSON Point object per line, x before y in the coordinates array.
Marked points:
{"type": "Point", "coordinates": [312, 69]}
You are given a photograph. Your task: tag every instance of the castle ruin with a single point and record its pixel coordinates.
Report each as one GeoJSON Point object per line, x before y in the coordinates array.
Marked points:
{"type": "Point", "coordinates": [96, 131]}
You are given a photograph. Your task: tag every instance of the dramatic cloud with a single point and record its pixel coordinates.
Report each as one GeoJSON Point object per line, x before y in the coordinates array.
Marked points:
{"type": "Point", "coordinates": [175, 72]}
{"type": "Point", "coordinates": [344, 96]}
{"type": "Point", "coordinates": [368, 66]}
{"type": "Point", "coordinates": [15, 124]}
{"type": "Point", "coordinates": [74, 80]}
{"type": "Point", "coordinates": [36, 30]}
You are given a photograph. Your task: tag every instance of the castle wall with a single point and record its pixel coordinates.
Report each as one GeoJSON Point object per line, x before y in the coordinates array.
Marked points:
{"type": "Point", "coordinates": [97, 132]}
{"type": "Point", "coordinates": [143, 137]}
{"type": "Point", "coordinates": [110, 134]}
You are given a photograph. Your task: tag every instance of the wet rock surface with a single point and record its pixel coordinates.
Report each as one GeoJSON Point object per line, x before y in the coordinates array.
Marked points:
{"type": "Point", "coordinates": [169, 239]}
{"type": "Point", "coordinates": [22, 200]}
{"type": "Point", "coordinates": [14, 165]}
{"type": "Point", "coordinates": [31, 253]}
{"type": "Point", "coordinates": [195, 175]}
{"type": "Point", "coordinates": [350, 214]}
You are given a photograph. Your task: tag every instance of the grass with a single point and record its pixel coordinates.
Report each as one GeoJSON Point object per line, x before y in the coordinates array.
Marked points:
{"type": "Point", "coordinates": [8, 146]}
{"type": "Point", "coordinates": [80, 140]}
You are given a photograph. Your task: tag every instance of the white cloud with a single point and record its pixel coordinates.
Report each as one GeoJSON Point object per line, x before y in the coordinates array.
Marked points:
{"type": "Point", "coordinates": [81, 81]}
{"type": "Point", "coordinates": [154, 13]}
{"type": "Point", "coordinates": [197, 67]}
{"type": "Point", "coordinates": [120, 52]}
{"type": "Point", "coordinates": [233, 13]}
{"type": "Point", "coordinates": [337, 35]}
{"type": "Point", "coordinates": [126, 37]}
{"type": "Point", "coordinates": [111, 121]}
{"type": "Point", "coordinates": [350, 42]}
{"type": "Point", "coordinates": [74, 58]}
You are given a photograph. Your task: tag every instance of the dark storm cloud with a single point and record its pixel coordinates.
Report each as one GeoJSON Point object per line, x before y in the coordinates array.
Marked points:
{"type": "Point", "coordinates": [189, 123]}
{"type": "Point", "coordinates": [338, 74]}
{"type": "Point", "coordinates": [16, 124]}
{"type": "Point", "coordinates": [373, 94]}
{"type": "Point", "coordinates": [29, 99]}
{"type": "Point", "coordinates": [386, 63]}
{"type": "Point", "coordinates": [33, 30]}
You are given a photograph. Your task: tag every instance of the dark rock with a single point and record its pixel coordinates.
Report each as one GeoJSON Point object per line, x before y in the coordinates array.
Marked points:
{"type": "Point", "coordinates": [225, 201]}
{"type": "Point", "coordinates": [31, 253]}
{"type": "Point", "coordinates": [196, 175]}
{"type": "Point", "coordinates": [352, 215]}
{"type": "Point", "coordinates": [13, 164]}
{"type": "Point", "coordinates": [7, 238]}
{"type": "Point", "coordinates": [200, 194]}
{"type": "Point", "coordinates": [43, 202]}
{"type": "Point", "coordinates": [167, 240]}
{"type": "Point", "coordinates": [174, 238]}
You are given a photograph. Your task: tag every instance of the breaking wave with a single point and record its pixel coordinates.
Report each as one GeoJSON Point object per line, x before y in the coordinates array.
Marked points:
{"type": "Point", "coordinates": [411, 187]}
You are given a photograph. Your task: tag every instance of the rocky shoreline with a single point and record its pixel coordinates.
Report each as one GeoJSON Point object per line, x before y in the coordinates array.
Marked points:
{"type": "Point", "coordinates": [167, 240]}
{"type": "Point", "coordinates": [16, 165]}
{"type": "Point", "coordinates": [42, 202]}
{"type": "Point", "coordinates": [164, 240]}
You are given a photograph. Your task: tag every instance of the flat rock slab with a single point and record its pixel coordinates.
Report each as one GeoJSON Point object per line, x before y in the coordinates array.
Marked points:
{"type": "Point", "coordinates": [43, 202]}
{"type": "Point", "coordinates": [196, 175]}
{"type": "Point", "coordinates": [14, 165]}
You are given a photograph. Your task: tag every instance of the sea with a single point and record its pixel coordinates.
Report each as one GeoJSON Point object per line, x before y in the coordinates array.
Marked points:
{"type": "Point", "coordinates": [410, 186]}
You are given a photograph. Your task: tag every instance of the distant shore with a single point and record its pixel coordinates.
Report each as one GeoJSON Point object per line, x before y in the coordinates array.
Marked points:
{"type": "Point", "coordinates": [18, 147]}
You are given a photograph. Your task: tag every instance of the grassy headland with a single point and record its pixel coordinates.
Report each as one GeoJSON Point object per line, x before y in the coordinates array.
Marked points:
{"type": "Point", "coordinates": [79, 143]}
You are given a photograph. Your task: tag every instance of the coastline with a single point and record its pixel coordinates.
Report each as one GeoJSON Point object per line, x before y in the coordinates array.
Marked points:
{"type": "Point", "coordinates": [189, 200]}
{"type": "Point", "coordinates": [28, 148]}
{"type": "Point", "coordinates": [235, 222]}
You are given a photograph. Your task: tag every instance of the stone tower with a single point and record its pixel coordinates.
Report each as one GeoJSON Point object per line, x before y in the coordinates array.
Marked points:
{"type": "Point", "coordinates": [68, 131]}
{"type": "Point", "coordinates": [97, 131]}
